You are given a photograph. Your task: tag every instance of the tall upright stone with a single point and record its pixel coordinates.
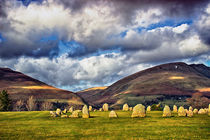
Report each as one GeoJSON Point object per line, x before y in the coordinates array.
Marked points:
{"type": "Point", "coordinates": [195, 111]}
{"type": "Point", "coordinates": [138, 111]}
{"type": "Point", "coordinates": [75, 114]}
{"type": "Point", "coordinates": [113, 114]}
{"type": "Point", "coordinates": [149, 108]}
{"type": "Point", "coordinates": [166, 111]}
{"type": "Point", "coordinates": [175, 108]}
{"type": "Point", "coordinates": [190, 108]}
{"type": "Point", "coordinates": [71, 109]}
{"type": "Point", "coordinates": [64, 111]}
{"type": "Point", "coordinates": [190, 113]}
{"type": "Point", "coordinates": [181, 111]}
{"type": "Point", "coordinates": [125, 107]}
{"type": "Point", "coordinates": [105, 107]}
{"type": "Point", "coordinates": [85, 112]}
{"type": "Point", "coordinates": [58, 111]}
{"type": "Point", "coordinates": [90, 108]}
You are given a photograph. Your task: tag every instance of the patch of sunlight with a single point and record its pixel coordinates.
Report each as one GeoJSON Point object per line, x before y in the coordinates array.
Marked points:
{"type": "Point", "coordinates": [38, 87]}
{"type": "Point", "coordinates": [176, 77]}
{"type": "Point", "coordinates": [95, 88]}
{"type": "Point", "coordinates": [204, 89]}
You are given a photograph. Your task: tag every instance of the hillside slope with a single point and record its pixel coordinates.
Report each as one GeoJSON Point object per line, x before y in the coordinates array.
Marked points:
{"type": "Point", "coordinates": [168, 80]}
{"type": "Point", "coordinates": [20, 86]}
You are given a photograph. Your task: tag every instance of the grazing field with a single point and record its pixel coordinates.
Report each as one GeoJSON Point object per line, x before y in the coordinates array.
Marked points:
{"type": "Point", "coordinates": [39, 125]}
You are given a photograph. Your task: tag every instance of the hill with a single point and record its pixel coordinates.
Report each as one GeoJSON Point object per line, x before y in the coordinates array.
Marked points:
{"type": "Point", "coordinates": [20, 86]}
{"type": "Point", "coordinates": [172, 82]}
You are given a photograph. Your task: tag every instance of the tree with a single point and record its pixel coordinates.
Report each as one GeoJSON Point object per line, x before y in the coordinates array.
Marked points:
{"type": "Point", "coordinates": [19, 105]}
{"type": "Point", "coordinates": [5, 102]}
{"type": "Point", "coordinates": [198, 101]}
{"type": "Point", "coordinates": [46, 106]}
{"type": "Point", "coordinates": [31, 104]}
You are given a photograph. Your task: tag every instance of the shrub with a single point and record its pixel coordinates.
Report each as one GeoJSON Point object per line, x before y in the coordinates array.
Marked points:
{"type": "Point", "coordinates": [156, 107]}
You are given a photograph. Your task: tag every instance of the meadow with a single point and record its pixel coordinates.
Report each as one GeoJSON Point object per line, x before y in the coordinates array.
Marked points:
{"type": "Point", "coordinates": [39, 125]}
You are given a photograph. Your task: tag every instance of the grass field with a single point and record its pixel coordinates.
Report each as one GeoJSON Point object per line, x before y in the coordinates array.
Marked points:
{"type": "Point", "coordinates": [39, 125]}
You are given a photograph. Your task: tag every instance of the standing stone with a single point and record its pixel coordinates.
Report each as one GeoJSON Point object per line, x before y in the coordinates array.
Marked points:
{"type": "Point", "coordinates": [58, 111]}
{"type": "Point", "coordinates": [186, 111]}
{"type": "Point", "coordinates": [166, 111]}
{"type": "Point", "coordinates": [181, 112]}
{"type": "Point", "coordinates": [64, 111]}
{"type": "Point", "coordinates": [53, 114]}
{"type": "Point", "coordinates": [113, 114]}
{"type": "Point", "coordinates": [71, 109]}
{"type": "Point", "coordinates": [201, 111]}
{"type": "Point", "coordinates": [195, 111]}
{"type": "Point", "coordinates": [149, 108]}
{"type": "Point", "coordinates": [138, 111]}
{"type": "Point", "coordinates": [175, 108]}
{"type": "Point", "coordinates": [130, 108]}
{"type": "Point", "coordinates": [190, 108]}
{"type": "Point", "coordinates": [125, 107]}
{"type": "Point", "coordinates": [100, 109]}
{"type": "Point", "coordinates": [90, 108]}
{"type": "Point", "coordinates": [74, 114]}
{"type": "Point", "coordinates": [190, 113]}
{"type": "Point", "coordinates": [105, 107]}
{"type": "Point", "coordinates": [85, 112]}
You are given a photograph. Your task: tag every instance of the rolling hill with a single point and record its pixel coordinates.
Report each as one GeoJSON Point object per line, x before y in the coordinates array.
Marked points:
{"type": "Point", "coordinates": [20, 86]}
{"type": "Point", "coordinates": [171, 83]}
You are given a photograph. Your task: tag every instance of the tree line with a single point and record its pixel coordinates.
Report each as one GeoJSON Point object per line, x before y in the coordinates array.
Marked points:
{"type": "Point", "coordinates": [6, 104]}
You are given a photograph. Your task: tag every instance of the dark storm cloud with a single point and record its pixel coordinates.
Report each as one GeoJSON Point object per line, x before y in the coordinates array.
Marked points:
{"type": "Point", "coordinates": [127, 8]}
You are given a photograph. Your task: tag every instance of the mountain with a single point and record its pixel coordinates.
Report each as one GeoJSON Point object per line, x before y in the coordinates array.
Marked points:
{"type": "Point", "coordinates": [20, 86]}
{"type": "Point", "coordinates": [172, 82]}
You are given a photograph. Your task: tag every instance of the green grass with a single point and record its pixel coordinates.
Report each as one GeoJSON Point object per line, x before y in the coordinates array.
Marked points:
{"type": "Point", "coordinates": [39, 125]}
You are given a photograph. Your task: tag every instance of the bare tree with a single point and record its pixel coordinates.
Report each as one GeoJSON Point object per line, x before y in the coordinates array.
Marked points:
{"type": "Point", "coordinates": [198, 101]}
{"type": "Point", "coordinates": [46, 106]}
{"type": "Point", "coordinates": [31, 104]}
{"type": "Point", "coordinates": [19, 104]}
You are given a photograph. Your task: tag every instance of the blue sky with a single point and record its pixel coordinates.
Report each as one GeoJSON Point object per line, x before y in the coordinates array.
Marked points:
{"type": "Point", "coordinates": [80, 44]}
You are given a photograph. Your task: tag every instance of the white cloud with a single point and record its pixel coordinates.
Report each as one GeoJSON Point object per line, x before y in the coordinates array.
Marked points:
{"type": "Point", "coordinates": [180, 29]}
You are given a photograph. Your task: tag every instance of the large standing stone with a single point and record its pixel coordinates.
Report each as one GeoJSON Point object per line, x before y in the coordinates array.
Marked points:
{"type": "Point", "coordinates": [175, 108]}
{"type": "Point", "coordinates": [125, 107]}
{"type": "Point", "coordinates": [53, 114]}
{"type": "Point", "coordinates": [64, 111]}
{"type": "Point", "coordinates": [195, 111]}
{"type": "Point", "coordinates": [190, 108]}
{"type": "Point", "coordinates": [90, 108]}
{"type": "Point", "coordinates": [149, 108]}
{"type": "Point", "coordinates": [113, 114]}
{"type": "Point", "coordinates": [166, 111]}
{"type": "Point", "coordinates": [58, 111]}
{"type": "Point", "coordinates": [85, 112]}
{"type": "Point", "coordinates": [201, 111]}
{"type": "Point", "coordinates": [181, 111]}
{"type": "Point", "coordinates": [190, 113]}
{"type": "Point", "coordinates": [71, 109]}
{"type": "Point", "coordinates": [138, 111]}
{"type": "Point", "coordinates": [105, 107]}
{"type": "Point", "coordinates": [75, 114]}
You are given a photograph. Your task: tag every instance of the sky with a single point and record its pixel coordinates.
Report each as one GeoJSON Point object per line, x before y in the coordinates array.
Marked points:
{"type": "Point", "coordinates": [78, 44]}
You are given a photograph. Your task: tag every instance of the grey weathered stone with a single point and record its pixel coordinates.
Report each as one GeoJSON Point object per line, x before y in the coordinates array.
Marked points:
{"type": "Point", "coordinates": [85, 112]}
{"type": "Point", "coordinates": [113, 114]}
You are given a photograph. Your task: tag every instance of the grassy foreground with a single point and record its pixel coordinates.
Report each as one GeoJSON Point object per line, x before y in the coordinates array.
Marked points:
{"type": "Point", "coordinates": [39, 125]}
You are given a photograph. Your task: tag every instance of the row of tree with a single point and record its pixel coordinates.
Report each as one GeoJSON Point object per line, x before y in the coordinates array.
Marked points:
{"type": "Point", "coordinates": [196, 101]}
